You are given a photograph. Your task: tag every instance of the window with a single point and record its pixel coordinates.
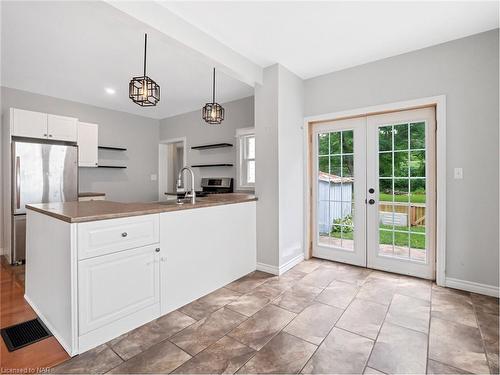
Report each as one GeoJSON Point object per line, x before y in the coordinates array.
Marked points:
{"type": "Point", "coordinates": [246, 158]}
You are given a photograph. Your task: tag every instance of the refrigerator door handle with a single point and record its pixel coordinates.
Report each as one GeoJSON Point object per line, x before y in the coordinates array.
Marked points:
{"type": "Point", "coordinates": [18, 182]}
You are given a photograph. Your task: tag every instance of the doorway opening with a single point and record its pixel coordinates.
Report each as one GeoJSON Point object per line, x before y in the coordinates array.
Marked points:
{"type": "Point", "coordinates": [373, 191]}
{"type": "Point", "coordinates": [172, 158]}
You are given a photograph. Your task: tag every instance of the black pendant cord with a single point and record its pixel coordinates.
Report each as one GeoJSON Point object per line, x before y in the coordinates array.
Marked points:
{"type": "Point", "coordinates": [145, 48]}
{"type": "Point", "coordinates": [213, 89]}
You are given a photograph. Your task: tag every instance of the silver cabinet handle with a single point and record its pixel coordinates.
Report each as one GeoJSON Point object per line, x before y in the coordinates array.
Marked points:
{"type": "Point", "coordinates": [18, 182]}
{"type": "Point", "coordinates": [157, 249]}
{"type": "Point", "coordinates": [50, 135]}
{"type": "Point", "coordinates": [124, 234]}
{"type": "Point", "coordinates": [45, 135]}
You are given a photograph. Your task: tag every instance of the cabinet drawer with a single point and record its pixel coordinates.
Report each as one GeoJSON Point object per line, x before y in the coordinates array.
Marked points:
{"type": "Point", "coordinates": [109, 236]}
{"type": "Point", "coordinates": [114, 286]}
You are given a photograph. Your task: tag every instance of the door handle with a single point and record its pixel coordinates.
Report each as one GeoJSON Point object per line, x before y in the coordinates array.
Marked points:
{"type": "Point", "coordinates": [371, 201]}
{"type": "Point", "coordinates": [124, 234]}
{"type": "Point", "coordinates": [18, 182]}
{"type": "Point", "coordinates": [371, 190]}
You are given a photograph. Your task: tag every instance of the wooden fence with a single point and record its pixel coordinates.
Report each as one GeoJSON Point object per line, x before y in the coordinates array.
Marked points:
{"type": "Point", "coordinates": [415, 211]}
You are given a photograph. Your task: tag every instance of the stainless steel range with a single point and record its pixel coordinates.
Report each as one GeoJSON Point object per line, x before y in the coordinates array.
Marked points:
{"type": "Point", "coordinates": [215, 185]}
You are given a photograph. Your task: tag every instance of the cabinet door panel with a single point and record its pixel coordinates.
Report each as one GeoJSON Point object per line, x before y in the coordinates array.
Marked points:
{"type": "Point", "coordinates": [87, 144]}
{"type": "Point", "coordinates": [113, 286]}
{"type": "Point", "coordinates": [62, 128]}
{"type": "Point", "coordinates": [29, 124]}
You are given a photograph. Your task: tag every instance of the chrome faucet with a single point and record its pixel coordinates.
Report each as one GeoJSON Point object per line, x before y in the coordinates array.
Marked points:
{"type": "Point", "coordinates": [179, 184]}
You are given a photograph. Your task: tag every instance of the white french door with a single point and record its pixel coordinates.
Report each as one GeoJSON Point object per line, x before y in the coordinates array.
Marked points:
{"type": "Point", "coordinates": [339, 212]}
{"type": "Point", "coordinates": [374, 191]}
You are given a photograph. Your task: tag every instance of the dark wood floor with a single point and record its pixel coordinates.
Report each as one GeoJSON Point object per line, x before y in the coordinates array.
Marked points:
{"type": "Point", "coordinates": [14, 309]}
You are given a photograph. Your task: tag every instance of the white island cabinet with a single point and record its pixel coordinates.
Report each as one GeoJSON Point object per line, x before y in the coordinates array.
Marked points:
{"type": "Point", "coordinates": [92, 279]}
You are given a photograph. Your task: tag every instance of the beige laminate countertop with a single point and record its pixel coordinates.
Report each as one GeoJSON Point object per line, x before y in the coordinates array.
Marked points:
{"type": "Point", "coordinates": [78, 212]}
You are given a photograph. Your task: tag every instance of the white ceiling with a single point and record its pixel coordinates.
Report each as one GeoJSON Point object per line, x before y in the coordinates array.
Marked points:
{"type": "Point", "coordinates": [74, 50]}
{"type": "Point", "coordinates": [313, 38]}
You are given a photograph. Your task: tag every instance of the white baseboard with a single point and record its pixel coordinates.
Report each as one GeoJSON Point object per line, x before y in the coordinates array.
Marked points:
{"type": "Point", "coordinates": [268, 268]}
{"type": "Point", "coordinates": [50, 327]}
{"type": "Point", "coordinates": [282, 269]}
{"type": "Point", "coordinates": [471, 286]}
{"type": "Point", "coordinates": [291, 263]}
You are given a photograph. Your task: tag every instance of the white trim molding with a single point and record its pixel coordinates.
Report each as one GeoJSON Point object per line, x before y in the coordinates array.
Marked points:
{"type": "Point", "coordinates": [470, 286]}
{"type": "Point", "coordinates": [274, 270]}
{"type": "Point", "coordinates": [440, 103]}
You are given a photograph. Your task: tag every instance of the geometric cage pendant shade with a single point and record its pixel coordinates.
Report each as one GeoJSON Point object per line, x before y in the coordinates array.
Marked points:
{"type": "Point", "coordinates": [213, 113]}
{"type": "Point", "coordinates": [143, 90]}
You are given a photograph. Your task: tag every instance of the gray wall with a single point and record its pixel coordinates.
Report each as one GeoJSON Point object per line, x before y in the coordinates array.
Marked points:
{"type": "Point", "coordinates": [238, 114]}
{"type": "Point", "coordinates": [279, 116]}
{"type": "Point", "coordinates": [138, 134]}
{"type": "Point", "coordinates": [267, 167]}
{"type": "Point", "coordinates": [466, 71]}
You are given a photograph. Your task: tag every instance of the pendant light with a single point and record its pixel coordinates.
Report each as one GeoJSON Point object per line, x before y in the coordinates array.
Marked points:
{"type": "Point", "coordinates": [213, 113]}
{"type": "Point", "coordinates": [143, 90]}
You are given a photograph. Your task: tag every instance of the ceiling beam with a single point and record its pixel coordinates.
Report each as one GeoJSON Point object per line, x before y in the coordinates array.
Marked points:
{"type": "Point", "coordinates": [157, 16]}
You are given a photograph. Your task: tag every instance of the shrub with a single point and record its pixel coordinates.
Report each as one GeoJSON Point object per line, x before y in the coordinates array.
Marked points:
{"type": "Point", "coordinates": [346, 221]}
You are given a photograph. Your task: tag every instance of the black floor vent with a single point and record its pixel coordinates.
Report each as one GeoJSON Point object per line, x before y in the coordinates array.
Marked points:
{"type": "Point", "coordinates": [23, 334]}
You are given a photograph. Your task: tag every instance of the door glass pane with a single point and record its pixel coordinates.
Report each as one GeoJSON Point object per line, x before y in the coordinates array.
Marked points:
{"type": "Point", "coordinates": [347, 142]}
{"type": "Point", "coordinates": [385, 138]}
{"type": "Point", "coordinates": [402, 198]}
{"type": "Point", "coordinates": [347, 165]}
{"type": "Point", "coordinates": [401, 137]}
{"type": "Point", "coordinates": [401, 164]}
{"type": "Point", "coordinates": [417, 249]}
{"type": "Point", "coordinates": [335, 165]}
{"type": "Point", "coordinates": [417, 135]}
{"type": "Point", "coordinates": [335, 145]}
{"type": "Point", "coordinates": [385, 164]}
{"type": "Point", "coordinates": [336, 190]}
{"type": "Point", "coordinates": [323, 144]}
{"type": "Point", "coordinates": [417, 163]}
{"type": "Point", "coordinates": [323, 164]}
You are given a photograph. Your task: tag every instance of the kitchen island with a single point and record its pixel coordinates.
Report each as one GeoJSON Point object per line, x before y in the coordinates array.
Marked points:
{"type": "Point", "coordinates": [98, 269]}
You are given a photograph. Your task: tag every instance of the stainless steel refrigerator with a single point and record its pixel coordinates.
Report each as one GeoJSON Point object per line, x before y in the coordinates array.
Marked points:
{"type": "Point", "coordinates": [41, 173]}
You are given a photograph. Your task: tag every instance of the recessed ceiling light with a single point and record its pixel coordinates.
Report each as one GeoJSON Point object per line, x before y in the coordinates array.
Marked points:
{"type": "Point", "coordinates": [110, 91]}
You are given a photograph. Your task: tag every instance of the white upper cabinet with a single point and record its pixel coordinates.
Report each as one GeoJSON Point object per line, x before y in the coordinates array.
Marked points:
{"type": "Point", "coordinates": [42, 125]}
{"type": "Point", "coordinates": [87, 144]}
{"type": "Point", "coordinates": [62, 128]}
{"type": "Point", "coordinates": [28, 123]}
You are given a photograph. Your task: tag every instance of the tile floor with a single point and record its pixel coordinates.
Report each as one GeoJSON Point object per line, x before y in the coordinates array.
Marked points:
{"type": "Point", "coordinates": [319, 317]}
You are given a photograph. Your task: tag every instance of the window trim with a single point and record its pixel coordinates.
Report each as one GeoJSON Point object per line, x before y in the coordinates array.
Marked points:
{"type": "Point", "coordinates": [241, 134]}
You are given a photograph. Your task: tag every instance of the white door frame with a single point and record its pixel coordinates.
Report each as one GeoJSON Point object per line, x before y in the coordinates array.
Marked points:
{"type": "Point", "coordinates": [440, 103]}
{"type": "Point", "coordinates": [161, 171]}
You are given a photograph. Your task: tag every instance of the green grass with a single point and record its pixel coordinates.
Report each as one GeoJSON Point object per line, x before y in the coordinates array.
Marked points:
{"type": "Point", "coordinates": [400, 239]}
{"type": "Point", "coordinates": [414, 198]}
